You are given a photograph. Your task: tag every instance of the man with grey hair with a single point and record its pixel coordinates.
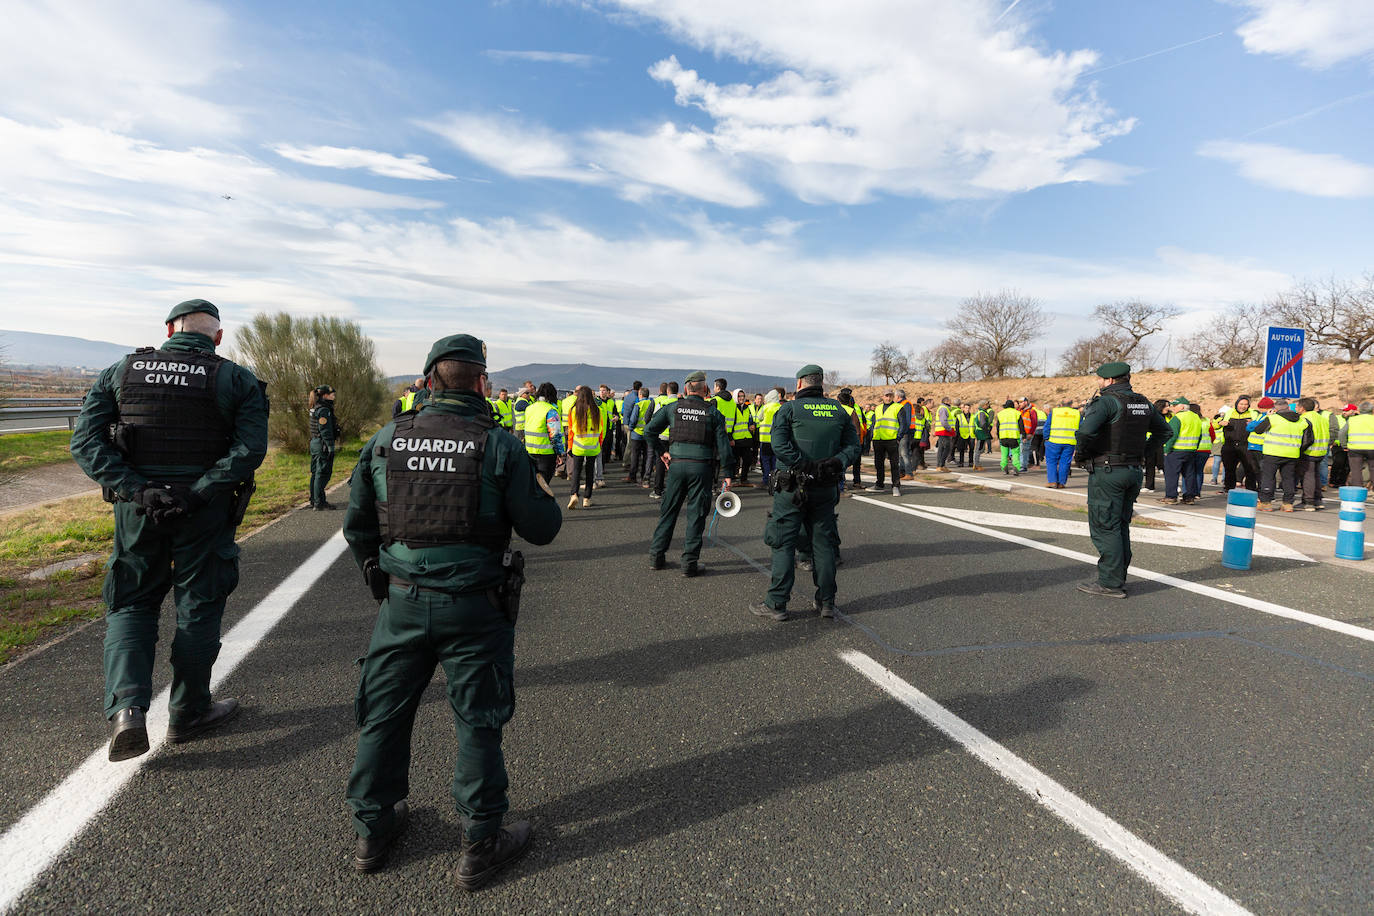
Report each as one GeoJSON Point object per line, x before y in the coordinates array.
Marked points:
{"type": "Point", "coordinates": [1357, 438]}
{"type": "Point", "coordinates": [173, 437]}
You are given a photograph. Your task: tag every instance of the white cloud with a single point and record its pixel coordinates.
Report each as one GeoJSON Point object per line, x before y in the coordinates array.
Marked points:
{"type": "Point", "coordinates": [1318, 174]}
{"type": "Point", "coordinates": [909, 97]}
{"type": "Point", "coordinates": [412, 166]}
{"type": "Point", "coordinates": [1319, 33]}
{"type": "Point", "coordinates": [118, 65]}
{"type": "Point", "coordinates": [637, 165]}
{"type": "Point", "coordinates": [546, 57]}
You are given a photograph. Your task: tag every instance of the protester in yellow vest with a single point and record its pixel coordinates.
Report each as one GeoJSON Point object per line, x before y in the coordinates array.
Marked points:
{"type": "Point", "coordinates": [1313, 454]}
{"type": "Point", "coordinates": [890, 423]}
{"type": "Point", "coordinates": [1357, 439]}
{"type": "Point", "coordinates": [1061, 435]}
{"type": "Point", "coordinates": [660, 443]}
{"type": "Point", "coordinates": [1008, 433]}
{"type": "Point", "coordinates": [543, 430]}
{"type": "Point", "coordinates": [1185, 453]}
{"type": "Point", "coordinates": [1285, 437]}
{"type": "Point", "coordinates": [586, 432]}
{"type": "Point", "coordinates": [772, 400]}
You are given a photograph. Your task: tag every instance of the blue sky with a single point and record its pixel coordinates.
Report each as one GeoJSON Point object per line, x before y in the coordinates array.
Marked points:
{"type": "Point", "coordinates": [749, 185]}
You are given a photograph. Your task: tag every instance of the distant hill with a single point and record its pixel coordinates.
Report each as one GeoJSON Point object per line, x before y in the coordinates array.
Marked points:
{"type": "Point", "coordinates": [566, 376]}
{"type": "Point", "coordinates": [26, 348]}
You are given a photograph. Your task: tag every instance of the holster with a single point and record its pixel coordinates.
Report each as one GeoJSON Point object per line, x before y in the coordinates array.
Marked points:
{"type": "Point", "coordinates": [507, 595]}
{"type": "Point", "coordinates": [378, 582]}
{"type": "Point", "coordinates": [243, 494]}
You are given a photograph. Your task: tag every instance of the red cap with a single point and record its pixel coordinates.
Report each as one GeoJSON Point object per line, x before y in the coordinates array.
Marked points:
{"type": "Point", "coordinates": [1264, 403]}
{"type": "Point", "coordinates": [1350, 408]}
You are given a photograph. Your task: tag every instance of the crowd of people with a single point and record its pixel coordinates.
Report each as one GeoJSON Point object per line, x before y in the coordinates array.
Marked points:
{"type": "Point", "coordinates": [1326, 448]}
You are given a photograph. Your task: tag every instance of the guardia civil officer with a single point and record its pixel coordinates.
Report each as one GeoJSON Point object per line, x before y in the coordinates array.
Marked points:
{"type": "Point", "coordinates": [324, 434]}
{"type": "Point", "coordinates": [814, 441]}
{"type": "Point", "coordinates": [1111, 445]}
{"type": "Point", "coordinates": [697, 439]}
{"type": "Point", "coordinates": [173, 437]}
{"type": "Point", "coordinates": [435, 496]}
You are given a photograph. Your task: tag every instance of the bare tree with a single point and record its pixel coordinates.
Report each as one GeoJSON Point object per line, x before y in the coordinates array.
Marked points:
{"type": "Point", "coordinates": [1087, 353]}
{"type": "Point", "coordinates": [950, 361]}
{"type": "Point", "coordinates": [1133, 320]}
{"type": "Point", "coordinates": [891, 362]}
{"type": "Point", "coordinates": [1232, 341]}
{"type": "Point", "coordinates": [1337, 314]}
{"type": "Point", "coordinates": [996, 327]}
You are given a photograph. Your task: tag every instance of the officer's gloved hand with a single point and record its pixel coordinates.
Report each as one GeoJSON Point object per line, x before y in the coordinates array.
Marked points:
{"type": "Point", "coordinates": [830, 469]}
{"type": "Point", "coordinates": [181, 502]}
{"type": "Point", "coordinates": [152, 500]}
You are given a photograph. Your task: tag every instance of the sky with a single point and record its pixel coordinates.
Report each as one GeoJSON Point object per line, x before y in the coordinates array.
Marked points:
{"type": "Point", "coordinates": [753, 184]}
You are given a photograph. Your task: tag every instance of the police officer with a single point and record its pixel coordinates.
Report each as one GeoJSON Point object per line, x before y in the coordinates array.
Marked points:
{"type": "Point", "coordinates": [814, 441]}
{"type": "Point", "coordinates": [698, 437]}
{"type": "Point", "coordinates": [173, 437]}
{"type": "Point", "coordinates": [452, 486]}
{"type": "Point", "coordinates": [324, 433]}
{"type": "Point", "coordinates": [1111, 445]}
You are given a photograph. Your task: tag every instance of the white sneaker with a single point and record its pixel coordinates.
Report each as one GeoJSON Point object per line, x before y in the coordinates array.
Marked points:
{"type": "Point", "coordinates": [572, 501]}
{"type": "Point", "coordinates": [896, 491]}
{"type": "Point", "coordinates": [586, 502]}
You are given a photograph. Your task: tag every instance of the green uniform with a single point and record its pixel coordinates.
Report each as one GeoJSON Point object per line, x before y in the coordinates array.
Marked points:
{"type": "Point", "coordinates": [195, 557]}
{"type": "Point", "coordinates": [1114, 485]}
{"type": "Point", "coordinates": [324, 434]}
{"type": "Point", "coordinates": [442, 615]}
{"type": "Point", "coordinates": [808, 430]}
{"type": "Point", "coordinates": [691, 472]}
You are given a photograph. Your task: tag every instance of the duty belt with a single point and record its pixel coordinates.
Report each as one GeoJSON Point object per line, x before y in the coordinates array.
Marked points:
{"type": "Point", "coordinates": [1101, 464]}
{"type": "Point", "coordinates": [407, 584]}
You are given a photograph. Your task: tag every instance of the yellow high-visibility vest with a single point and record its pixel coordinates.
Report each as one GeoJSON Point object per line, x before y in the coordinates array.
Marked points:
{"type": "Point", "coordinates": [1064, 425]}
{"type": "Point", "coordinates": [885, 426]}
{"type": "Point", "coordinates": [766, 422]}
{"type": "Point", "coordinates": [1359, 432]}
{"type": "Point", "coordinates": [1284, 438]}
{"type": "Point", "coordinates": [586, 442]}
{"type": "Point", "coordinates": [1189, 438]}
{"type": "Point", "coordinates": [1321, 434]}
{"type": "Point", "coordinates": [1009, 421]}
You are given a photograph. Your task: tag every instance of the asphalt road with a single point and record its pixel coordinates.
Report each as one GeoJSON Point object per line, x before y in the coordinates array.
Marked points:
{"type": "Point", "coordinates": [677, 754]}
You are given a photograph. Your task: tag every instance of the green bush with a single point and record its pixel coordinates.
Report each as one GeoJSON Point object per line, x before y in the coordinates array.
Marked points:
{"type": "Point", "coordinates": [294, 355]}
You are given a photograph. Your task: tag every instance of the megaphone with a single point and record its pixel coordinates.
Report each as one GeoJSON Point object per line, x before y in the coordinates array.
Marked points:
{"type": "Point", "coordinates": [727, 504]}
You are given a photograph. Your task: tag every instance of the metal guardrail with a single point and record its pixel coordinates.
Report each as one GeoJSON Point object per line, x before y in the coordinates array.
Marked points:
{"type": "Point", "coordinates": [38, 419]}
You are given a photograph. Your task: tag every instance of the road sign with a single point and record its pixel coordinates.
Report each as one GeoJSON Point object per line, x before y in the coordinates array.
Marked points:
{"type": "Point", "coordinates": [1283, 351]}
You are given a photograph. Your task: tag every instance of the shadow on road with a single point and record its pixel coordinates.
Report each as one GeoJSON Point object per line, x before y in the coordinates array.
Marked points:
{"type": "Point", "coordinates": [773, 761]}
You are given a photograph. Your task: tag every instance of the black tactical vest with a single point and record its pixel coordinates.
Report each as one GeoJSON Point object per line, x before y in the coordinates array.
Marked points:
{"type": "Point", "coordinates": [168, 413]}
{"type": "Point", "coordinates": [318, 429]}
{"type": "Point", "coordinates": [692, 422]}
{"type": "Point", "coordinates": [1123, 440]}
{"type": "Point", "coordinates": [434, 480]}
{"type": "Point", "coordinates": [818, 426]}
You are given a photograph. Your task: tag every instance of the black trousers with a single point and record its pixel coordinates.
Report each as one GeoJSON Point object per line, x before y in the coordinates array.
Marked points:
{"type": "Point", "coordinates": [1154, 460]}
{"type": "Point", "coordinates": [543, 465]}
{"type": "Point", "coordinates": [659, 471]}
{"type": "Point", "coordinates": [1340, 468]}
{"type": "Point", "coordinates": [885, 451]}
{"type": "Point", "coordinates": [582, 466]}
{"type": "Point", "coordinates": [639, 458]}
{"type": "Point", "coordinates": [1236, 466]}
{"type": "Point", "coordinates": [944, 448]}
{"type": "Point", "coordinates": [1287, 469]}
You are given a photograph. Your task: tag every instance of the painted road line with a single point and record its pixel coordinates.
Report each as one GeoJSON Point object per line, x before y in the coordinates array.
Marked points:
{"type": "Point", "coordinates": [1147, 511]}
{"type": "Point", "coordinates": [31, 844]}
{"type": "Point", "coordinates": [1188, 536]}
{"type": "Point", "coordinates": [1254, 604]}
{"type": "Point", "coordinates": [1167, 876]}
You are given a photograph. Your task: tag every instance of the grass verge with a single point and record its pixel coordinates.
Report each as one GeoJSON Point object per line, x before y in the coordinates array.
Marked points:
{"type": "Point", "coordinates": [33, 611]}
{"type": "Point", "coordinates": [22, 451]}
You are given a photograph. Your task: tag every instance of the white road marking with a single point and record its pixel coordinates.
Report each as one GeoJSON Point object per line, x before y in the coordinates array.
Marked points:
{"type": "Point", "coordinates": [1254, 604]}
{"type": "Point", "coordinates": [1141, 509]}
{"type": "Point", "coordinates": [1171, 879]}
{"type": "Point", "coordinates": [37, 839]}
{"type": "Point", "coordinates": [1204, 537]}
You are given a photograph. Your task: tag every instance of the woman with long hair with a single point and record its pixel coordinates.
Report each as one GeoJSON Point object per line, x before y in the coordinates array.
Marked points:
{"type": "Point", "coordinates": [586, 432]}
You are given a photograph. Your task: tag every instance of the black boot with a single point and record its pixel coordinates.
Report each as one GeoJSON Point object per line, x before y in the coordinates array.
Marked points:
{"type": "Point", "coordinates": [371, 851]}
{"type": "Point", "coordinates": [693, 569]}
{"type": "Point", "coordinates": [824, 608]}
{"type": "Point", "coordinates": [483, 859]}
{"type": "Point", "coordinates": [130, 736]}
{"type": "Point", "coordinates": [656, 561]}
{"type": "Point", "coordinates": [220, 711]}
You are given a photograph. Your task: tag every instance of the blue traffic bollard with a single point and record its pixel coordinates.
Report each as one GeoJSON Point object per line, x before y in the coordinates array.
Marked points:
{"type": "Point", "coordinates": [1238, 544]}
{"type": "Point", "coordinates": [1350, 536]}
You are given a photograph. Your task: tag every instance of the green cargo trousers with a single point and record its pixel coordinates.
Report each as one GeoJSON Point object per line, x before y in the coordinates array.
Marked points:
{"type": "Point", "coordinates": [321, 469]}
{"type": "Point", "coordinates": [689, 483]}
{"type": "Point", "coordinates": [197, 560]}
{"type": "Point", "coordinates": [475, 644]}
{"type": "Point", "coordinates": [787, 527]}
{"type": "Point", "coordinates": [1112, 494]}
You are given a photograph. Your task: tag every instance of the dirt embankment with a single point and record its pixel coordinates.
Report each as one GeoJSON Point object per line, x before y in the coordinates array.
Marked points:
{"type": "Point", "coordinates": [1329, 383]}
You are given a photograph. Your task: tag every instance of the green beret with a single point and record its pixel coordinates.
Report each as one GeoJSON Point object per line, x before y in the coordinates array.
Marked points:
{"type": "Point", "coordinates": [698, 376]}
{"type": "Point", "coordinates": [1114, 370]}
{"type": "Point", "coordinates": [462, 347]}
{"type": "Point", "coordinates": [1184, 401]}
{"type": "Point", "coordinates": [191, 306]}
{"type": "Point", "coordinates": [810, 369]}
